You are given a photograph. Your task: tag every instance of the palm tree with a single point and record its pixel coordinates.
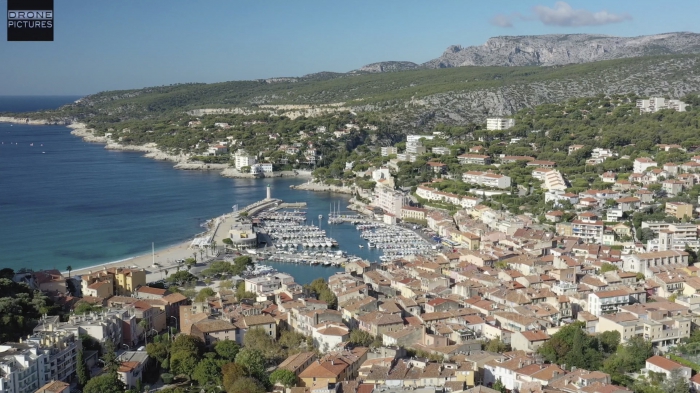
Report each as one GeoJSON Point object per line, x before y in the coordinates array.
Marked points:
{"type": "Point", "coordinates": [213, 244]}
{"type": "Point", "coordinates": [69, 268]}
{"type": "Point", "coordinates": [165, 273]}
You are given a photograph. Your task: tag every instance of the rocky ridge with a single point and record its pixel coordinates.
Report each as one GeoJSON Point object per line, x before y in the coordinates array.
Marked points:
{"type": "Point", "coordinates": [553, 49]}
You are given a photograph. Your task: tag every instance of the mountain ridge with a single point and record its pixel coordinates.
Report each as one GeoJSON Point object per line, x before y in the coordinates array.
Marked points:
{"type": "Point", "coordinates": [549, 50]}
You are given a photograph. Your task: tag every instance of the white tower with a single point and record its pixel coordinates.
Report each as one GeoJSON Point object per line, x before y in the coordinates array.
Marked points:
{"type": "Point", "coordinates": [269, 192]}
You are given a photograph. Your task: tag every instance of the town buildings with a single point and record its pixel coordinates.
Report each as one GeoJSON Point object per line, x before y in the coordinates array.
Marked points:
{"type": "Point", "coordinates": [499, 123]}
{"type": "Point", "coordinates": [655, 104]}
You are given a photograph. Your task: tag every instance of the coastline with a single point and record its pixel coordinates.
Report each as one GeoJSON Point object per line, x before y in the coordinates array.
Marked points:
{"type": "Point", "coordinates": [165, 257]}
{"type": "Point", "coordinates": [151, 150]}
{"type": "Point", "coordinates": [312, 185]}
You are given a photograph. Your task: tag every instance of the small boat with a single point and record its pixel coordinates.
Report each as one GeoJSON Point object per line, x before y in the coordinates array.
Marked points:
{"type": "Point", "coordinates": [361, 246]}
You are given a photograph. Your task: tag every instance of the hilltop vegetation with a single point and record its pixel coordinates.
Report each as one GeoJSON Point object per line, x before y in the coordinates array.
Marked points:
{"type": "Point", "coordinates": [413, 98]}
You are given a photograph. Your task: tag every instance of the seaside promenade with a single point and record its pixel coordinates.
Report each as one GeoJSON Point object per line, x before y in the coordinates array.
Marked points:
{"type": "Point", "coordinates": [164, 262]}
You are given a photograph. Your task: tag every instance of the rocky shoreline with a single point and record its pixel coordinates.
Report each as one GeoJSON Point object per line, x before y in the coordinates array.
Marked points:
{"type": "Point", "coordinates": [312, 185]}
{"type": "Point", "coordinates": [26, 120]}
{"type": "Point", "coordinates": [151, 150]}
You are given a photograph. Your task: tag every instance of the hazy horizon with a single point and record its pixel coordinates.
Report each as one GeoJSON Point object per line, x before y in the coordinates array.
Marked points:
{"type": "Point", "coordinates": [118, 46]}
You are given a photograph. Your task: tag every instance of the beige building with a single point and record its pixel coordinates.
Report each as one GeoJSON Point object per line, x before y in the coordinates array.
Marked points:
{"type": "Point", "coordinates": [55, 387]}
{"type": "Point", "coordinates": [529, 341]}
{"type": "Point", "coordinates": [657, 327]}
{"type": "Point", "coordinates": [679, 209]}
{"type": "Point", "coordinates": [121, 282]}
{"type": "Point", "coordinates": [413, 213]}
{"type": "Point", "coordinates": [214, 330]}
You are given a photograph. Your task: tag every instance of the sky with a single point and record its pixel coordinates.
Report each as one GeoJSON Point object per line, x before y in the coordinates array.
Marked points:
{"type": "Point", "coordinates": [110, 45]}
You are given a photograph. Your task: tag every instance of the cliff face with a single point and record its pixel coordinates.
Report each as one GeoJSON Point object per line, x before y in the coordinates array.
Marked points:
{"type": "Point", "coordinates": [389, 66]}
{"type": "Point", "coordinates": [556, 49]}
{"type": "Point", "coordinates": [460, 107]}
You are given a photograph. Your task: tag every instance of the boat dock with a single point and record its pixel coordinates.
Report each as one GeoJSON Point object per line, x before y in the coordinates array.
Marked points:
{"type": "Point", "coordinates": [394, 241]}
{"type": "Point", "coordinates": [314, 258]}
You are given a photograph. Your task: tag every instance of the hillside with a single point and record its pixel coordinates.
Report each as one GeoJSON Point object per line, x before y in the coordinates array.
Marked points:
{"type": "Point", "coordinates": [553, 49]}
{"type": "Point", "coordinates": [409, 98]}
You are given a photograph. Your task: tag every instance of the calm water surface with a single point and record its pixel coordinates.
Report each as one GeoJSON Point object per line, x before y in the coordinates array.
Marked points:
{"type": "Point", "coordinates": [66, 202]}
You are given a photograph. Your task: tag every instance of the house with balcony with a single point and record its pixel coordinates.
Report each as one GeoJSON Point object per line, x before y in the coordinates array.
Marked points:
{"type": "Point", "coordinates": [606, 302]}
{"type": "Point", "coordinates": [588, 228]}
{"type": "Point", "coordinates": [476, 159]}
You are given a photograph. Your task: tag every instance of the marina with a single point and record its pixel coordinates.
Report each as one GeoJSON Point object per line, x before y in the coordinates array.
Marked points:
{"type": "Point", "coordinates": [395, 241]}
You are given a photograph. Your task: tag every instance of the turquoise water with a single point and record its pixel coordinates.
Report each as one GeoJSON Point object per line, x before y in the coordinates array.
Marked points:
{"type": "Point", "coordinates": [66, 202]}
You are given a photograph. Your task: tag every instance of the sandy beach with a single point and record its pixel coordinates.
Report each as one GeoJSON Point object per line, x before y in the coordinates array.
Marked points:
{"type": "Point", "coordinates": [165, 258]}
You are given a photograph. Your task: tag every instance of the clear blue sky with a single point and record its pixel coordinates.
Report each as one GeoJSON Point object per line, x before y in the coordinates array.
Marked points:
{"type": "Point", "coordinates": [105, 45]}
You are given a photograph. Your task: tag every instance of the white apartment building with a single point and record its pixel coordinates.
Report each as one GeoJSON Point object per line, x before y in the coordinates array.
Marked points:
{"type": "Point", "coordinates": [62, 348]}
{"type": "Point", "coordinates": [243, 159]}
{"type": "Point", "coordinates": [440, 150]}
{"type": "Point", "coordinates": [687, 231]}
{"type": "Point", "coordinates": [415, 148]}
{"type": "Point", "coordinates": [406, 157]}
{"type": "Point", "coordinates": [435, 195]}
{"type": "Point", "coordinates": [23, 368]}
{"type": "Point", "coordinates": [499, 123]}
{"type": "Point", "coordinates": [388, 150]}
{"type": "Point", "coordinates": [417, 138]}
{"type": "Point", "coordinates": [266, 285]}
{"type": "Point", "coordinates": [667, 240]}
{"type": "Point", "coordinates": [559, 196]}
{"type": "Point", "coordinates": [601, 153]}
{"type": "Point", "coordinates": [591, 231]}
{"type": "Point", "coordinates": [381, 173]}
{"type": "Point", "coordinates": [116, 325]}
{"type": "Point", "coordinates": [265, 167]}
{"type": "Point", "coordinates": [641, 164]}
{"type": "Point", "coordinates": [606, 302]}
{"type": "Point", "coordinates": [654, 104]}
{"type": "Point", "coordinates": [642, 263]}
{"type": "Point", "coordinates": [551, 178]}
{"type": "Point", "coordinates": [390, 200]}
{"type": "Point", "coordinates": [486, 179]}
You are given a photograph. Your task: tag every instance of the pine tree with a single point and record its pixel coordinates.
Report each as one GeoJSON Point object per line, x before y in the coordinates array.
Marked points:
{"type": "Point", "coordinates": [81, 370]}
{"type": "Point", "coordinates": [110, 358]}
{"type": "Point", "coordinates": [499, 386]}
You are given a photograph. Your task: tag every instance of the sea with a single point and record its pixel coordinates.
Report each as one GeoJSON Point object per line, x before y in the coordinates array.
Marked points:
{"type": "Point", "coordinates": [65, 202]}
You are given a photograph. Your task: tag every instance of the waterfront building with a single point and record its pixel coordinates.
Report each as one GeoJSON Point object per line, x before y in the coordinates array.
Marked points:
{"type": "Point", "coordinates": [242, 235]}
{"type": "Point", "coordinates": [413, 213]}
{"type": "Point", "coordinates": [243, 159]}
{"type": "Point", "coordinates": [390, 200]}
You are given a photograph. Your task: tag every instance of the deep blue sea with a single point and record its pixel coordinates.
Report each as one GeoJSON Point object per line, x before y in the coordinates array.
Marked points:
{"type": "Point", "coordinates": [67, 202]}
